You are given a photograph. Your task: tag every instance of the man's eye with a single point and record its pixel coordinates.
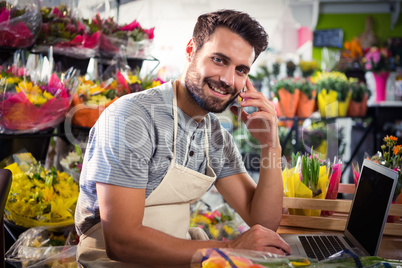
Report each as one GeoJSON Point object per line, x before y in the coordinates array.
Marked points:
{"type": "Point", "coordinates": [242, 70]}
{"type": "Point", "coordinates": [217, 60]}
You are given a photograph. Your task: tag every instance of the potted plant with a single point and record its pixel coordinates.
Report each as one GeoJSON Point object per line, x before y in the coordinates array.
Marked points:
{"type": "Point", "coordinates": [333, 93]}
{"type": "Point", "coordinates": [306, 103]}
{"type": "Point", "coordinates": [359, 96]}
{"type": "Point", "coordinates": [287, 92]}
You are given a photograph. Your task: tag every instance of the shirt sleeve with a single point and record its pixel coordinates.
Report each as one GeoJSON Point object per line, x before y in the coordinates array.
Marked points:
{"type": "Point", "coordinates": [120, 146]}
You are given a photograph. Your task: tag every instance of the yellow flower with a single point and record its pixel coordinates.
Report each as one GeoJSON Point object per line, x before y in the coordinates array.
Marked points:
{"type": "Point", "coordinates": [133, 79]}
{"type": "Point", "coordinates": [12, 80]}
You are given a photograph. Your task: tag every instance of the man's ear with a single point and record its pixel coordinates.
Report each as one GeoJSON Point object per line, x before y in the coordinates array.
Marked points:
{"type": "Point", "coordinates": [190, 49]}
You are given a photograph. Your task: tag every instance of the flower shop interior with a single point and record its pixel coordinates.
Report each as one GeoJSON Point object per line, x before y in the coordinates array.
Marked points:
{"type": "Point", "coordinates": [333, 70]}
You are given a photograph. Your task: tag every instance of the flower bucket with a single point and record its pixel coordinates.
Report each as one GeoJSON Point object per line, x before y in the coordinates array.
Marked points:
{"type": "Point", "coordinates": [358, 109]}
{"type": "Point", "coordinates": [381, 79]}
{"type": "Point", "coordinates": [305, 106]}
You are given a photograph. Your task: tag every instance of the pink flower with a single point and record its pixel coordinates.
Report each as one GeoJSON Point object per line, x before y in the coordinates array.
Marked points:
{"type": "Point", "coordinates": [368, 66]}
{"type": "Point", "coordinates": [57, 12]}
{"type": "Point", "coordinates": [130, 27]}
{"type": "Point", "coordinates": [91, 41]}
{"type": "Point", "coordinates": [150, 33]}
{"type": "Point", "coordinates": [80, 27]}
{"type": "Point", "coordinates": [4, 15]}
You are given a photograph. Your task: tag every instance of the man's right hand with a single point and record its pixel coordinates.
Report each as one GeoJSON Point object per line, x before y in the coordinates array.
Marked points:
{"type": "Point", "coordinates": [260, 238]}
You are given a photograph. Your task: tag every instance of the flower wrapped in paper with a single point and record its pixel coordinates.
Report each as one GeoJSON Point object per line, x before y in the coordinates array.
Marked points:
{"type": "Point", "coordinates": [27, 106]}
{"type": "Point", "coordinates": [336, 173]}
{"type": "Point", "coordinates": [135, 39]}
{"type": "Point", "coordinates": [44, 247]}
{"type": "Point", "coordinates": [19, 24]}
{"type": "Point", "coordinates": [306, 177]}
{"type": "Point", "coordinates": [333, 93]}
{"type": "Point", "coordinates": [68, 35]}
{"type": "Point", "coordinates": [40, 197]}
{"type": "Point", "coordinates": [288, 94]}
{"type": "Point", "coordinates": [221, 223]}
{"type": "Point", "coordinates": [229, 258]}
{"type": "Point", "coordinates": [93, 97]}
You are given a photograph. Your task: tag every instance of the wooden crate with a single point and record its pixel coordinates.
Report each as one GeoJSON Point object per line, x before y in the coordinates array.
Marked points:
{"type": "Point", "coordinates": [337, 221]}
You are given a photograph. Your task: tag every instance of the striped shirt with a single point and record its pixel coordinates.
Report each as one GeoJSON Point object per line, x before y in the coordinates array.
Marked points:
{"type": "Point", "coordinates": [131, 145]}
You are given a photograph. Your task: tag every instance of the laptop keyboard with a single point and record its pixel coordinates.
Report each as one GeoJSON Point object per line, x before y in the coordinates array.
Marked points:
{"type": "Point", "coordinates": [321, 246]}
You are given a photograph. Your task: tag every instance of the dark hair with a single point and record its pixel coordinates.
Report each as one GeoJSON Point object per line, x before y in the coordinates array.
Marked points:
{"type": "Point", "coordinates": [238, 22]}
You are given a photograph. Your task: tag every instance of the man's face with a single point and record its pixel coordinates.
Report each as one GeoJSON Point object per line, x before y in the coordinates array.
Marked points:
{"type": "Point", "coordinates": [218, 71]}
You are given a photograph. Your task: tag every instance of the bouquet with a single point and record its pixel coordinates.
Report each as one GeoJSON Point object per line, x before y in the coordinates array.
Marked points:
{"type": "Point", "coordinates": [29, 106]}
{"type": "Point", "coordinates": [94, 97]}
{"type": "Point", "coordinates": [306, 103]}
{"type": "Point", "coordinates": [72, 163]}
{"type": "Point", "coordinates": [68, 35]}
{"type": "Point", "coordinates": [19, 26]}
{"type": "Point", "coordinates": [333, 93]}
{"type": "Point", "coordinates": [307, 177]}
{"type": "Point", "coordinates": [220, 224]}
{"type": "Point", "coordinates": [135, 39]}
{"type": "Point", "coordinates": [391, 157]}
{"type": "Point", "coordinates": [228, 258]}
{"type": "Point", "coordinates": [43, 247]}
{"type": "Point", "coordinates": [335, 178]}
{"type": "Point", "coordinates": [40, 197]}
{"type": "Point", "coordinates": [378, 59]}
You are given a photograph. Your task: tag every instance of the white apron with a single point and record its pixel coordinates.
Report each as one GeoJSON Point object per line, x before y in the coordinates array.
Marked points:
{"type": "Point", "coordinates": [167, 208]}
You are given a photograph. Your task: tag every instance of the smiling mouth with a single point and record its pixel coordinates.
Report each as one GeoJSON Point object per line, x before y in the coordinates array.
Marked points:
{"type": "Point", "coordinates": [217, 90]}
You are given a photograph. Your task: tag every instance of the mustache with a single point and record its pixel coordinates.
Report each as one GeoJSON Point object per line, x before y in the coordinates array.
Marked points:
{"type": "Point", "coordinates": [220, 84]}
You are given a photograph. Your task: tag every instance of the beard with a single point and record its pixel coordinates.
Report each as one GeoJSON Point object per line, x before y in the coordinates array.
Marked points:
{"type": "Point", "coordinates": [195, 87]}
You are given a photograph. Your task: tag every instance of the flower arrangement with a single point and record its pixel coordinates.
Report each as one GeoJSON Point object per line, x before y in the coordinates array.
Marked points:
{"type": "Point", "coordinates": [306, 177]}
{"type": "Point", "coordinates": [360, 95]}
{"type": "Point", "coordinates": [132, 36]}
{"type": "Point", "coordinates": [307, 97]}
{"type": "Point", "coordinates": [28, 106]}
{"type": "Point", "coordinates": [333, 93]}
{"type": "Point", "coordinates": [67, 34]}
{"type": "Point", "coordinates": [40, 197]}
{"type": "Point", "coordinates": [391, 157]}
{"type": "Point", "coordinates": [220, 224]}
{"type": "Point", "coordinates": [287, 91]}
{"type": "Point", "coordinates": [19, 26]}
{"type": "Point", "coordinates": [45, 247]}
{"type": "Point", "coordinates": [378, 59]}
{"type": "Point", "coordinates": [93, 97]}
{"type": "Point", "coordinates": [308, 67]}
{"type": "Point", "coordinates": [72, 163]}
{"type": "Point", "coordinates": [351, 55]}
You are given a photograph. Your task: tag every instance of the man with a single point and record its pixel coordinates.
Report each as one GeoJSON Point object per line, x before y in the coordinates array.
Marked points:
{"type": "Point", "coordinates": [153, 153]}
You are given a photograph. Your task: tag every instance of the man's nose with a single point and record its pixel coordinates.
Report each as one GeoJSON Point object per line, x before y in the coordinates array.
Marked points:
{"type": "Point", "coordinates": [228, 76]}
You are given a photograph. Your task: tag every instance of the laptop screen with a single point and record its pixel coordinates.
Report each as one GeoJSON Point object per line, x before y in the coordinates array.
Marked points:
{"type": "Point", "coordinates": [370, 205]}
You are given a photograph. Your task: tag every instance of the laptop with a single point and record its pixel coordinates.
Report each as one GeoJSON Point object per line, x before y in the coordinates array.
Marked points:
{"type": "Point", "coordinates": [365, 223]}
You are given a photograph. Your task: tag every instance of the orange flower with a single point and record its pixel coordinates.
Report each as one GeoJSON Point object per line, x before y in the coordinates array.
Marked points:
{"type": "Point", "coordinates": [397, 149]}
{"type": "Point", "coordinates": [390, 138]}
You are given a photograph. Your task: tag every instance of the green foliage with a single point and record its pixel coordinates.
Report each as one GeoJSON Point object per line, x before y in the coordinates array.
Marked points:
{"type": "Point", "coordinates": [358, 91]}
{"type": "Point", "coordinates": [289, 84]}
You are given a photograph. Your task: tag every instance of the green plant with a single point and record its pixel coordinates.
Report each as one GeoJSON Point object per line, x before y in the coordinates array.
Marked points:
{"type": "Point", "coordinates": [358, 91]}
{"type": "Point", "coordinates": [289, 84]}
{"type": "Point", "coordinates": [307, 88]}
